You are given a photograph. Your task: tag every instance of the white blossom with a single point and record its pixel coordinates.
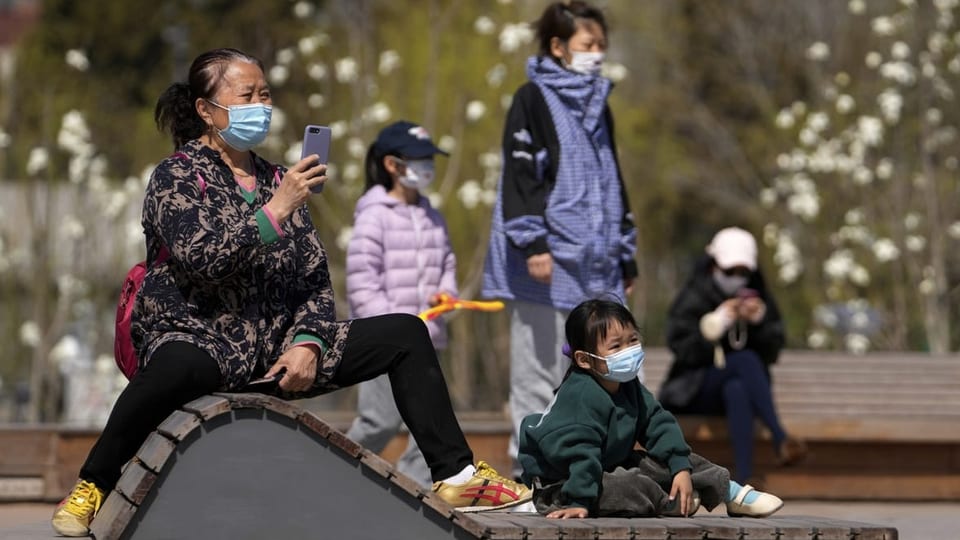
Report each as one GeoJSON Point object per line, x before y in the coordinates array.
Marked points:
{"type": "Point", "coordinates": [315, 101]}
{"type": "Point", "coordinates": [784, 119]}
{"type": "Point", "coordinates": [308, 45]}
{"type": "Point", "coordinates": [30, 334]}
{"type": "Point", "coordinates": [436, 199]}
{"type": "Point", "coordinates": [346, 69]}
{"type": "Point", "coordinates": [71, 227]}
{"type": "Point", "coordinates": [884, 250]}
{"type": "Point", "coordinates": [883, 26]}
{"type": "Point", "coordinates": [38, 160]}
{"type": "Point", "coordinates": [839, 264]}
{"type": "Point", "coordinates": [818, 121]}
{"type": "Point", "coordinates": [768, 197]}
{"type": "Point", "coordinates": [484, 25]}
{"type": "Point", "coordinates": [845, 103]}
{"type": "Point", "coordinates": [302, 9]}
{"type": "Point", "coordinates": [817, 339]}
{"type": "Point", "coordinates": [496, 75]}
{"type": "Point", "coordinates": [899, 50]}
{"type": "Point", "coordinates": [278, 74]}
{"type": "Point", "coordinates": [916, 243]}
{"type": "Point", "coordinates": [954, 65]}
{"type": "Point", "coordinates": [514, 36]}
{"type": "Point", "coordinates": [954, 230]}
{"type": "Point", "coordinates": [614, 71]}
{"type": "Point", "coordinates": [475, 110]}
{"type": "Point", "coordinates": [77, 59]}
{"type": "Point", "coordinates": [873, 59]}
{"type": "Point", "coordinates": [808, 137]}
{"type": "Point", "coordinates": [857, 343]}
{"type": "Point", "coordinates": [870, 130]}
{"type": "Point", "coordinates": [317, 71]}
{"type": "Point", "coordinates": [4, 138]}
{"type": "Point", "coordinates": [933, 116]}
{"type": "Point", "coordinates": [292, 155]}
{"type": "Point", "coordinates": [351, 171]}
{"type": "Point", "coordinates": [343, 237]}
{"type": "Point", "coordinates": [927, 287]}
{"type": "Point", "coordinates": [66, 349]}
{"type": "Point", "coordinates": [356, 147]}
{"type": "Point", "coordinates": [389, 61]}
{"type": "Point", "coordinates": [377, 113]}
{"type": "Point", "coordinates": [338, 129]}
{"type": "Point", "coordinates": [860, 276]}
{"type": "Point", "coordinates": [899, 71]}
{"type": "Point", "coordinates": [911, 221]}
{"type": "Point", "coordinates": [818, 51]}
{"type": "Point", "coordinates": [857, 7]}
{"type": "Point", "coordinates": [804, 205]}
{"type": "Point", "coordinates": [853, 216]}
{"type": "Point", "coordinates": [469, 194]}
{"type": "Point", "coordinates": [286, 55]}
{"type": "Point", "coordinates": [862, 176]}
{"type": "Point", "coordinates": [885, 169]}
{"type": "Point", "coordinates": [447, 143]}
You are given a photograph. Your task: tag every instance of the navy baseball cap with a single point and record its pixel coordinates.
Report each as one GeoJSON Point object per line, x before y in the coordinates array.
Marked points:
{"type": "Point", "coordinates": [408, 140]}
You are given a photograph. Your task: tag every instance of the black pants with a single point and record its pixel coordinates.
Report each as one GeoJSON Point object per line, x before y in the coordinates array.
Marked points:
{"type": "Point", "coordinates": [396, 344]}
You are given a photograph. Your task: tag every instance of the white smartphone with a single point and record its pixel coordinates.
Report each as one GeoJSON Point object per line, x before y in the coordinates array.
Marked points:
{"type": "Point", "coordinates": [316, 140]}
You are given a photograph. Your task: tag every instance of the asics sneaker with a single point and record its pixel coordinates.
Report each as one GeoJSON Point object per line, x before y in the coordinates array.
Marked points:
{"type": "Point", "coordinates": [485, 490]}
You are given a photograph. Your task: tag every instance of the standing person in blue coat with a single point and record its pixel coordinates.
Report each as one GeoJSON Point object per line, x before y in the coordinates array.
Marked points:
{"type": "Point", "coordinates": [399, 260]}
{"type": "Point", "coordinates": [562, 229]}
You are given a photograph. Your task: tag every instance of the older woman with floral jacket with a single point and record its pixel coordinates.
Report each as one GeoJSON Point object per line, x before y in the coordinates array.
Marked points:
{"type": "Point", "coordinates": [237, 287]}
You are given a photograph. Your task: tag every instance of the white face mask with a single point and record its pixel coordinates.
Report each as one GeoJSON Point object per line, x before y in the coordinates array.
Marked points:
{"type": "Point", "coordinates": [419, 173]}
{"type": "Point", "coordinates": [587, 63]}
{"type": "Point", "coordinates": [728, 284]}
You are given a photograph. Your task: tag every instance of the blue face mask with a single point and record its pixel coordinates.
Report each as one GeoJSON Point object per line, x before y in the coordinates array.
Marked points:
{"type": "Point", "coordinates": [248, 125]}
{"type": "Point", "coordinates": [623, 365]}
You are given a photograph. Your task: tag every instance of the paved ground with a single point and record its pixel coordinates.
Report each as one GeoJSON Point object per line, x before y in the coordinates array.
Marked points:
{"type": "Point", "coordinates": [915, 521]}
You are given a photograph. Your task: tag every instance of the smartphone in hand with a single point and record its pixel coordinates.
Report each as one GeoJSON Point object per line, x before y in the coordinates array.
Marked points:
{"type": "Point", "coordinates": [747, 293]}
{"type": "Point", "coordinates": [316, 140]}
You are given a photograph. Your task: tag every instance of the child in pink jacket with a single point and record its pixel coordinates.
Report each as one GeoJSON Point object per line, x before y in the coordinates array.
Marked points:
{"type": "Point", "coordinates": [399, 259]}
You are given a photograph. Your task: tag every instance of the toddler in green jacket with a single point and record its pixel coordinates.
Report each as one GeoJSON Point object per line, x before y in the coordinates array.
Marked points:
{"type": "Point", "coordinates": [579, 454]}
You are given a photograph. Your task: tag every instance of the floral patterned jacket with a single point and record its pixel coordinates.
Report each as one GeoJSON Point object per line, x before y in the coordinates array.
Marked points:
{"type": "Point", "coordinates": [233, 284]}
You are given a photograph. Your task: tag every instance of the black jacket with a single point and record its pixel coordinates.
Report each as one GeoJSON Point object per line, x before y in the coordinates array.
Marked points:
{"type": "Point", "coordinates": [692, 353]}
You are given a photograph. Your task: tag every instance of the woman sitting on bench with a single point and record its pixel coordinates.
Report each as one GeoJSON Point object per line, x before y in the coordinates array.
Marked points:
{"type": "Point", "coordinates": [725, 331]}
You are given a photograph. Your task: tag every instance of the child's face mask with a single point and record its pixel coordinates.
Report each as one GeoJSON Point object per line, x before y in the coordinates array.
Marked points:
{"type": "Point", "coordinates": [418, 175]}
{"type": "Point", "coordinates": [623, 365]}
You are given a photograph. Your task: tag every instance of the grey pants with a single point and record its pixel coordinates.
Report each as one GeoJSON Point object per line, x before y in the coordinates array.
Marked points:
{"type": "Point", "coordinates": [642, 489]}
{"type": "Point", "coordinates": [378, 422]}
{"type": "Point", "coordinates": [537, 364]}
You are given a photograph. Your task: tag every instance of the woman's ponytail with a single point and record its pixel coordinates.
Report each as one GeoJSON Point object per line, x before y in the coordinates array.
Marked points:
{"type": "Point", "coordinates": [176, 114]}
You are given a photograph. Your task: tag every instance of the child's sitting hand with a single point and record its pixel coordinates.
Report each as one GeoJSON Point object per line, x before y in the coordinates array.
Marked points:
{"type": "Point", "coordinates": [574, 511]}
{"type": "Point", "coordinates": [683, 486]}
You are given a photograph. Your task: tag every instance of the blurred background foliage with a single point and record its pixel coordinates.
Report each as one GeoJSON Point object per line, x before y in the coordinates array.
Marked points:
{"type": "Point", "coordinates": [704, 91]}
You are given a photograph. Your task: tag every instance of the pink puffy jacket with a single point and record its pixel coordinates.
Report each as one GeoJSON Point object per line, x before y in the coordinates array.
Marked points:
{"type": "Point", "coordinates": [399, 255]}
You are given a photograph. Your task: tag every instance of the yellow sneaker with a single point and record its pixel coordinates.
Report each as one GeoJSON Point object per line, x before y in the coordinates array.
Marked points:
{"type": "Point", "coordinates": [485, 490]}
{"type": "Point", "coordinates": [74, 513]}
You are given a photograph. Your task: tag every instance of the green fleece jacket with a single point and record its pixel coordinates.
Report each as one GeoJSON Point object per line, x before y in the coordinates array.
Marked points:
{"type": "Point", "coordinates": [586, 431]}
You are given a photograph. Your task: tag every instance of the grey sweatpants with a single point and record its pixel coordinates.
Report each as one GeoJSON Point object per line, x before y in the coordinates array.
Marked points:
{"type": "Point", "coordinates": [537, 363]}
{"type": "Point", "coordinates": [378, 421]}
{"type": "Point", "coordinates": [642, 489]}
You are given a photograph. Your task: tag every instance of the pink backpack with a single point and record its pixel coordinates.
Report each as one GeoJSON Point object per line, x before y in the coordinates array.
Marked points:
{"type": "Point", "coordinates": [123, 351]}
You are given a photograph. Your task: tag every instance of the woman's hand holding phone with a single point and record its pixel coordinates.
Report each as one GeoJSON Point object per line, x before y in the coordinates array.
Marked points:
{"type": "Point", "coordinates": [296, 186]}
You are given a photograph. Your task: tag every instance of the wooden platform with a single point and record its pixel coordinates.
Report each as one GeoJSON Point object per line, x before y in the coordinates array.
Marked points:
{"type": "Point", "coordinates": [252, 466]}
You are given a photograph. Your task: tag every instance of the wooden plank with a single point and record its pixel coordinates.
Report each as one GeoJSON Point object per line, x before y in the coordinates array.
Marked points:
{"type": "Point", "coordinates": [155, 451]}
{"type": "Point", "coordinates": [207, 407]}
{"type": "Point", "coordinates": [112, 518]}
{"type": "Point", "coordinates": [314, 423]}
{"type": "Point", "coordinates": [672, 528]}
{"type": "Point", "coordinates": [466, 522]}
{"type": "Point", "coordinates": [536, 527]}
{"type": "Point", "coordinates": [719, 527]}
{"type": "Point", "coordinates": [135, 483]}
{"type": "Point", "coordinates": [178, 425]}
{"type": "Point", "coordinates": [495, 527]}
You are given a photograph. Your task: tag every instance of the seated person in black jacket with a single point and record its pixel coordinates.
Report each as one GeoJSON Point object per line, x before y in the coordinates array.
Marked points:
{"type": "Point", "coordinates": [725, 331]}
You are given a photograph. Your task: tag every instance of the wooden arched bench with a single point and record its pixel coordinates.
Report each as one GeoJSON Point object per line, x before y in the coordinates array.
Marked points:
{"type": "Point", "coordinates": [253, 466]}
